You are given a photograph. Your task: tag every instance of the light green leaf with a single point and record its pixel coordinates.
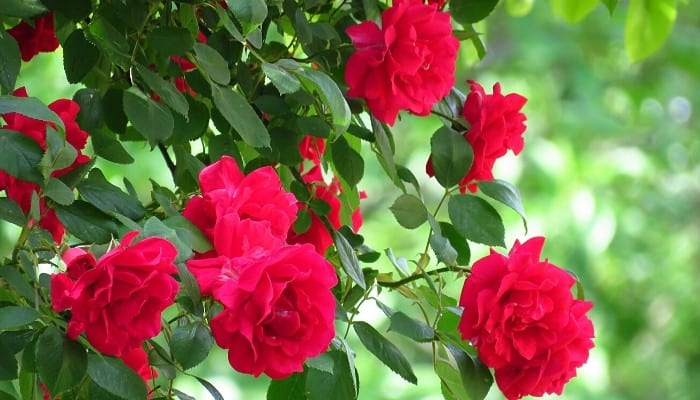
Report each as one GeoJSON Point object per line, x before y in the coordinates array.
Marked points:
{"type": "Point", "coordinates": [22, 8]}
{"type": "Point", "coordinates": [476, 220]}
{"type": "Point", "coordinates": [348, 259]}
{"type": "Point", "coordinates": [150, 118]}
{"type": "Point", "coordinates": [647, 26]}
{"type": "Point", "coordinates": [409, 211]}
{"type": "Point", "coordinates": [112, 375]}
{"type": "Point", "coordinates": [574, 11]}
{"type": "Point", "coordinates": [241, 115]}
{"type": "Point", "coordinates": [11, 212]}
{"type": "Point", "coordinates": [385, 351]}
{"type": "Point", "coordinates": [462, 376]}
{"type": "Point", "coordinates": [250, 13]}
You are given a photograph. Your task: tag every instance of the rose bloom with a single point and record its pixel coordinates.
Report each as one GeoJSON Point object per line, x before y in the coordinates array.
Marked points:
{"type": "Point", "coordinates": [278, 310]}
{"type": "Point", "coordinates": [118, 301]}
{"type": "Point", "coordinates": [39, 36]}
{"type": "Point", "coordinates": [407, 64]}
{"type": "Point", "coordinates": [496, 126]}
{"type": "Point", "coordinates": [258, 196]}
{"type": "Point", "coordinates": [520, 314]}
{"type": "Point", "coordinates": [21, 191]}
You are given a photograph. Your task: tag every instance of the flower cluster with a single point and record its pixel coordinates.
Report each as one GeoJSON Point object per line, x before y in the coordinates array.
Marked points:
{"type": "Point", "coordinates": [496, 126]}
{"type": "Point", "coordinates": [278, 306]}
{"type": "Point", "coordinates": [520, 314]}
{"type": "Point", "coordinates": [118, 300]}
{"type": "Point", "coordinates": [407, 64]}
{"type": "Point", "coordinates": [21, 191]}
{"type": "Point", "coordinates": [311, 149]}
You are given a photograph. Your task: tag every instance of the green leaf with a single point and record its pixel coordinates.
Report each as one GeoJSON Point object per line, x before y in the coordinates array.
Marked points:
{"type": "Point", "coordinates": [108, 147]}
{"type": "Point", "coordinates": [61, 362]}
{"type": "Point", "coordinates": [170, 40]}
{"type": "Point", "coordinates": [165, 89]}
{"type": "Point", "coordinates": [22, 8]}
{"type": "Point", "coordinates": [476, 220]}
{"type": "Point", "coordinates": [443, 249]}
{"type": "Point", "coordinates": [79, 56]}
{"type": "Point", "coordinates": [291, 388]}
{"type": "Point", "coordinates": [59, 153]}
{"type": "Point", "coordinates": [241, 115]}
{"type": "Point", "coordinates": [57, 191]}
{"type": "Point", "coordinates": [281, 78]}
{"type": "Point", "coordinates": [109, 198]}
{"type": "Point", "coordinates": [112, 375]}
{"type": "Point", "coordinates": [10, 61]}
{"type": "Point", "coordinates": [409, 211]}
{"type": "Point", "coordinates": [457, 241]}
{"type": "Point", "coordinates": [11, 212]}
{"type": "Point", "coordinates": [647, 26]}
{"type": "Point", "coordinates": [471, 11]}
{"type": "Point", "coordinates": [8, 367]}
{"type": "Point", "coordinates": [348, 163]}
{"type": "Point", "coordinates": [18, 282]}
{"type": "Point", "coordinates": [574, 11]}
{"type": "Point", "coordinates": [385, 153]}
{"type": "Point", "coordinates": [505, 193]}
{"type": "Point", "coordinates": [249, 13]}
{"type": "Point", "coordinates": [74, 9]}
{"type": "Point", "coordinates": [228, 24]}
{"type": "Point", "coordinates": [348, 259]}
{"type": "Point", "coordinates": [463, 376]}
{"type": "Point", "coordinates": [188, 233]}
{"type": "Point", "coordinates": [384, 350]}
{"type": "Point", "coordinates": [86, 222]}
{"type": "Point", "coordinates": [212, 63]}
{"type": "Point", "coordinates": [110, 41]}
{"type": "Point", "coordinates": [322, 84]}
{"type": "Point", "coordinates": [338, 385]}
{"type": "Point", "coordinates": [150, 118]}
{"type": "Point", "coordinates": [21, 156]}
{"type": "Point", "coordinates": [30, 107]}
{"type": "Point", "coordinates": [451, 156]}
{"type": "Point", "coordinates": [156, 227]}
{"type": "Point", "coordinates": [91, 114]}
{"type": "Point", "coordinates": [194, 124]}
{"type": "Point", "coordinates": [190, 344]}
{"type": "Point", "coordinates": [210, 388]}
{"type": "Point", "coordinates": [411, 328]}
{"type": "Point", "coordinates": [15, 316]}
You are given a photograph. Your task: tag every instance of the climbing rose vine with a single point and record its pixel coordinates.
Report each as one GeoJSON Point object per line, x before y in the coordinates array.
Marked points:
{"type": "Point", "coordinates": [264, 115]}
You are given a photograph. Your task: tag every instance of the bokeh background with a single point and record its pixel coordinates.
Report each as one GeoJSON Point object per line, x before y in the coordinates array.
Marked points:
{"type": "Point", "coordinates": [610, 175]}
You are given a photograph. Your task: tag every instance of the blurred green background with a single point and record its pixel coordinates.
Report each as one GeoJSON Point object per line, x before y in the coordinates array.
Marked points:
{"type": "Point", "coordinates": [610, 175]}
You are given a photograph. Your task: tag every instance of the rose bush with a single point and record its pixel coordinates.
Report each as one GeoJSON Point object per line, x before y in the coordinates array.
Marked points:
{"type": "Point", "coordinates": [264, 114]}
{"type": "Point", "coordinates": [520, 314]}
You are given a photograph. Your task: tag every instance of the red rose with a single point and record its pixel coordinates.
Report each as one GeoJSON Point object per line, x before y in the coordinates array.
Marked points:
{"type": "Point", "coordinates": [137, 359]}
{"type": "Point", "coordinates": [118, 302]}
{"type": "Point", "coordinates": [496, 126]}
{"type": "Point", "coordinates": [407, 64]}
{"type": "Point", "coordinates": [279, 311]}
{"type": "Point", "coordinates": [258, 196]}
{"type": "Point", "coordinates": [39, 36]}
{"type": "Point", "coordinates": [522, 318]}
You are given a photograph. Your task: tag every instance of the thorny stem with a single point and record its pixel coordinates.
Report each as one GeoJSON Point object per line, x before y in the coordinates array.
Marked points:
{"type": "Point", "coordinates": [414, 277]}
